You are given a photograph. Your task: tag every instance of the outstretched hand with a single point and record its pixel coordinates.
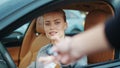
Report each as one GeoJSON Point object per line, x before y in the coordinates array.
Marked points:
{"type": "Point", "coordinates": [66, 55]}
{"type": "Point", "coordinates": [62, 52]}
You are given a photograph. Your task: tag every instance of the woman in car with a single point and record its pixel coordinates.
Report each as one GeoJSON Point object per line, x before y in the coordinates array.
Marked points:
{"type": "Point", "coordinates": [54, 27]}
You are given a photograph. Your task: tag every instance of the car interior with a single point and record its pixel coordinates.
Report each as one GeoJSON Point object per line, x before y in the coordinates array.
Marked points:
{"type": "Point", "coordinates": [35, 38]}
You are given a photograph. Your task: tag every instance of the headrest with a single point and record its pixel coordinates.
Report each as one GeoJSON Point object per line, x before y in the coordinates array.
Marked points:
{"type": "Point", "coordinates": [39, 25]}
{"type": "Point", "coordinates": [95, 17]}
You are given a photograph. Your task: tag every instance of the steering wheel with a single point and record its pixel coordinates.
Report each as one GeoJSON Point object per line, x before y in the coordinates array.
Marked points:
{"type": "Point", "coordinates": [6, 57]}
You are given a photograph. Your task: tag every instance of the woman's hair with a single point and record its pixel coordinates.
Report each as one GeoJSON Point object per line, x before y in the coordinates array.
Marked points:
{"type": "Point", "coordinates": [60, 11]}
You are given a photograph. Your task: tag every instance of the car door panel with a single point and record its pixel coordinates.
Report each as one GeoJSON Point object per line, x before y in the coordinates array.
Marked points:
{"type": "Point", "coordinates": [14, 52]}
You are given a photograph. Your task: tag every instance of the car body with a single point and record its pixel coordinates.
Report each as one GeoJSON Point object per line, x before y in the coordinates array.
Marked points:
{"type": "Point", "coordinates": [15, 14]}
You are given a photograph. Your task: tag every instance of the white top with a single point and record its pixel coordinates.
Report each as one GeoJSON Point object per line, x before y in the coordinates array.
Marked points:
{"type": "Point", "coordinates": [42, 52]}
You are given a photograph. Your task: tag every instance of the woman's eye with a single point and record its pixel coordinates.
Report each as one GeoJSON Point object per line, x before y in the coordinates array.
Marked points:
{"type": "Point", "coordinates": [47, 24]}
{"type": "Point", "coordinates": [57, 23]}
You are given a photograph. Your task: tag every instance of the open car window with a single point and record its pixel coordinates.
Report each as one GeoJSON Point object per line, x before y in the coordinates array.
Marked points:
{"type": "Point", "coordinates": [76, 12]}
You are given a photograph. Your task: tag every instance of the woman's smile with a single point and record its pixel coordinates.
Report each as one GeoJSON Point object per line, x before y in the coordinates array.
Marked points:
{"type": "Point", "coordinates": [52, 33]}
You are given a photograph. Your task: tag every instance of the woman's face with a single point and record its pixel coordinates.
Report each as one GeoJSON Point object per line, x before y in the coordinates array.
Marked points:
{"type": "Point", "coordinates": [54, 25]}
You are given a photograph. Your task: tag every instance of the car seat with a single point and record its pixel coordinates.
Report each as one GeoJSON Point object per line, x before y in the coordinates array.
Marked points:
{"type": "Point", "coordinates": [33, 41]}
{"type": "Point", "coordinates": [93, 18]}
{"type": "Point", "coordinates": [29, 36]}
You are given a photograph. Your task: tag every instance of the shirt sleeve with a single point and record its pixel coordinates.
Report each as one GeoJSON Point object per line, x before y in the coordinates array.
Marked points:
{"type": "Point", "coordinates": [112, 31]}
